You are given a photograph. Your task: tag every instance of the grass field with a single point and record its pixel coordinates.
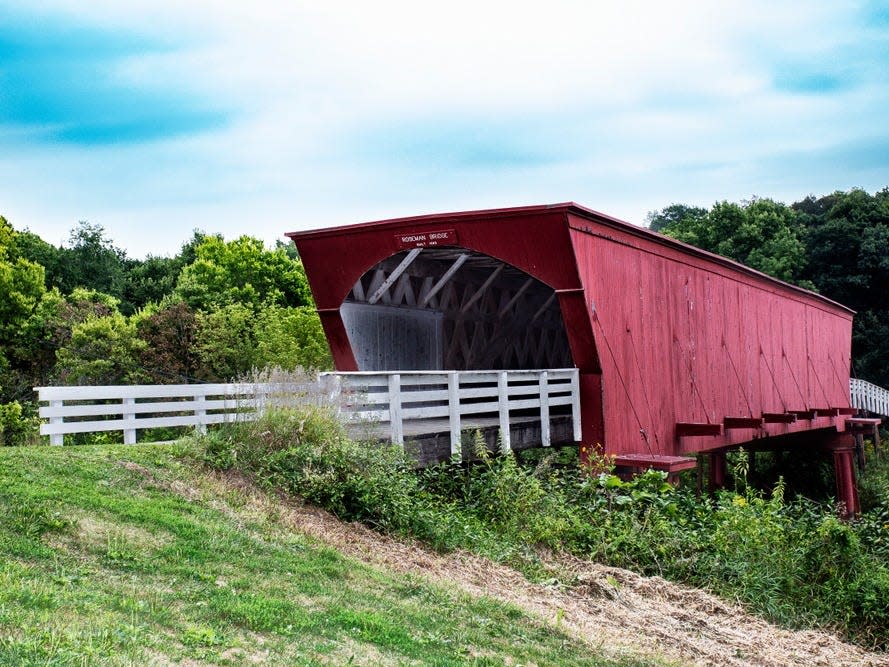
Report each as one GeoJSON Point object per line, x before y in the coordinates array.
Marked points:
{"type": "Point", "coordinates": [127, 555]}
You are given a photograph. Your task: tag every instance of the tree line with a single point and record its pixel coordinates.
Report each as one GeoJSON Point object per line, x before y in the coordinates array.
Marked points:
{"type": "Point", "coordinates": [85, 313]}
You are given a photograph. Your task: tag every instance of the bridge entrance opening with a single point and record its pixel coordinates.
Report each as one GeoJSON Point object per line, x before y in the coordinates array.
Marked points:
{"type": "Point", "coordinates": [448, 308]}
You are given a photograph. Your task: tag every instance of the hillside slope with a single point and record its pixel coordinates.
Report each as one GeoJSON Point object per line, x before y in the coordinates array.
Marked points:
{"type": "Point", "coordinates": [135, 556]}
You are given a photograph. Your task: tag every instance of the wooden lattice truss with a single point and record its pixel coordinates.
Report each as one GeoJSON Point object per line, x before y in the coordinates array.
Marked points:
{"type": "Point", "coordinates": [495, 316]}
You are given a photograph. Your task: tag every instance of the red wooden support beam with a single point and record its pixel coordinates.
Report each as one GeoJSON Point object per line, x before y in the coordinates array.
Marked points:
{"type": "Point", "coordinates": [741, 422]}
{"type": "Point", "coordinates": [684, 429]}
{"type": "Point", "coordinates": [804, 414]}
{"type": "Point", "coordinates": [670, 464]}
{"type": "Point", "coordinates": [826, 412]}
{"type": "Point", "coordinates": [863, 424]}
{"type": "Point", "coordinates": [778, 417]}
{"type": "Point", "coordinates": [847, 411]}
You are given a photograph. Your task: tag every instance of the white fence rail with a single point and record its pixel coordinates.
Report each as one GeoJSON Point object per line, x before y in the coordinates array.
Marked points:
{"type": "Point", "coordinates": [421, 398]}
{"type": "Point", "coordinates": [130, 408]}
{"type": "Point", "coordinates": [870, 397]}
{"type": "Point", "coordinates": [416, 399]}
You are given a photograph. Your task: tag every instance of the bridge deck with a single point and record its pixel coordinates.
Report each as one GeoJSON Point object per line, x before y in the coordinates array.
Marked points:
{"type": "Point", "coordinates": [428, 441]}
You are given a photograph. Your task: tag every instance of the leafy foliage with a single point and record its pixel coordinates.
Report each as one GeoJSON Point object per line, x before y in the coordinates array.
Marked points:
{"type": "Point", "coordinates": [761, 233]}
{"type": "Point", "coordinates": [170, 334]}
{"type": "Point", "coordinates": [17, 427]}
{"type": "Point", "coordinates": [92, 261]}
{"type": "Point", "coordinates": [21, 285]}
{"type": "Point", "coordinates": [225, 342]}
{"type": "Point", "coordinates": [291, 338]}
{"type": "Point", "coordinates": [847, 238]}
{"type": "Point", "coordinates": [241, 272]}
{"type": "Point", "coordinates": [102, 350]}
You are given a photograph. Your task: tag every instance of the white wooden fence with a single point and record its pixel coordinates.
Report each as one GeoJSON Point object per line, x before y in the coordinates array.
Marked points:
{"type": "Point", "coordinates": [130, 408]}
{"type": "Point", "coordinates": [870, 397]}
{"type": "Point", "coordinates": [412, 403]}
{"type": "Point", "coordinates": [403, 403]}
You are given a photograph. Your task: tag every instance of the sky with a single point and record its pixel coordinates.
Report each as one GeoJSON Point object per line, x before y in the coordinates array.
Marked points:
{"type": "Point", "coordinates": [153, 118]}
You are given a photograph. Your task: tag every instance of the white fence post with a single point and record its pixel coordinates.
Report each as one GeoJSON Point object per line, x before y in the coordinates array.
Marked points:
{"type": "Point", "coordinates": [201, 414]}
{"type": "Point", "coordinates": [543, 383]}
{"type": "Point", "coordinates": [395, 422]}
{"type": "Point", "coordinates": [575, 405]}
{"type": "Point", "coordinates": [503, 399]}
{"type": "Point", "coordinates": [56, 438]}
{"type": "Point", "coordinates": [129, 431]}
{"type": "Point", "coordinates": [454, 414]}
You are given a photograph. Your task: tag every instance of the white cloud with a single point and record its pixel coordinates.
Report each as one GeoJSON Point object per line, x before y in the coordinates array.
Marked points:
{"type": "Point", "coordinates": [632, 104]}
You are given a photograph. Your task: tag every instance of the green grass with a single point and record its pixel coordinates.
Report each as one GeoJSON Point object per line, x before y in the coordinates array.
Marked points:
{"type": "Point", "coordinates": [792, 561]}
{"type": "Point", "coordinates": [127, 556]}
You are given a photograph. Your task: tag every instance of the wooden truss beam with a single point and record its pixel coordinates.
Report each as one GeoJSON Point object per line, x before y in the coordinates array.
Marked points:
{"type": "Point", "coordinates": [481, 290]}
{"type": "Point", "coordinates": [401, 268]}
{"type": "Point", "coordinates": [516, 297]}
{"type": "Point", "coordinates": [445, 278]}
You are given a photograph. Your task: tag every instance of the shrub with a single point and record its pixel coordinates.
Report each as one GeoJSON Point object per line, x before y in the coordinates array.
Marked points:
{"type": "Point", "coordinates": [17, 425]}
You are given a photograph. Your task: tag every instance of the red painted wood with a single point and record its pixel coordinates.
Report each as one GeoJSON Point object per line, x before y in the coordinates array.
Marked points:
{"type": "Point", "coordinates": [663, 333]}
{"type": "Point", "coordinates": [843, 449]}
{"type": "Point", "coordinates": [685, 429]}
{"type": "Point", "coordinates": [668, 464]}
{"type": "Point", "coordinates": [778, 417]}
{"type": "Point", "coordinates": [741, 422]}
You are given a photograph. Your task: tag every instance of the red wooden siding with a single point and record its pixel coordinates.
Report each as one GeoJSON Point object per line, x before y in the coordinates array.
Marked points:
{"type": "Point", "coordinates": [682, 338]}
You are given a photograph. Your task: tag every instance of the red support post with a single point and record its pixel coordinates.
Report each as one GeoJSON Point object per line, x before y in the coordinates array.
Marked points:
{"type": "Point", "coordinates": [592, 417]}
{"type": "Point", "coordinates": [718, 470]}
{"type": "Point", "coordinates": [843, 449]}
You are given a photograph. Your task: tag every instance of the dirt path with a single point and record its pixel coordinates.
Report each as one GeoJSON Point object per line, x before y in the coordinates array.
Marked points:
{"type": "Point", "coordinates": [613, 610]}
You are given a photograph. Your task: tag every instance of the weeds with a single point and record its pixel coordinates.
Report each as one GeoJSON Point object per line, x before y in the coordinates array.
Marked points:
{"type": "Point", "coordinates": [792, 561]}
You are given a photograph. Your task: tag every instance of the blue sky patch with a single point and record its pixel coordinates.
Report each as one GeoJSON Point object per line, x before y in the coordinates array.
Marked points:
{"type": "Point", "coordinates": [814, 83]}
{"type": "Point", "coordinates": [62, 83]}
{"type": "Point", "coordinates": [469, 143]}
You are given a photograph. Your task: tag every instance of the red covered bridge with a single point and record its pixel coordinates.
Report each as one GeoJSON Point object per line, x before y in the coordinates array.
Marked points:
{"type": "Point", "coordinates": [678, 351]}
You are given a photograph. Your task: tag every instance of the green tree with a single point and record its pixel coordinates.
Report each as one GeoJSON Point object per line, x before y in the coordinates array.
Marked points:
{"type": "Point", "coordinates": [674, 215]}
{"type": "Point", "coordinates": [149, 280]}
{"type": "Point", "coordinates": [33, 248]}
{"type": "Point", "coordinates": [170, 335]}
{"type": "Point", "coordinates": [90, 260]}
{"type": "Point", "coordinates": [21, 290]}
{"type": "Point", "coordinates": [761, 233]}
{"type": "Point", "coordinates": [225, 344]}
{"type": "Point", "coordinates": [291, 338]}
{"type": "Point", "coordinates": [49, 328]}
{"type": "Point", "coordinates": [152, 279]}
{"type": "Point", "coordinates": [242, 271]}
{"type": "Point", "coordinates": [102, 350]}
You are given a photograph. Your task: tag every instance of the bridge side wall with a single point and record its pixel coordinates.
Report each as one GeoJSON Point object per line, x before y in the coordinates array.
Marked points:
{"type": "Point", "coordinates": [682, 338]}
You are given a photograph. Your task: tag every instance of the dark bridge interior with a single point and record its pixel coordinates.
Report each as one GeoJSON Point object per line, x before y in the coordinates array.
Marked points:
{"type": "Point", "coordinates": [448, 308]}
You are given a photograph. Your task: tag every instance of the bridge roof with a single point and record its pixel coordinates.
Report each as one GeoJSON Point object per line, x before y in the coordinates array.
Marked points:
{"type": "Point", "coordinates": [569, 209]}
